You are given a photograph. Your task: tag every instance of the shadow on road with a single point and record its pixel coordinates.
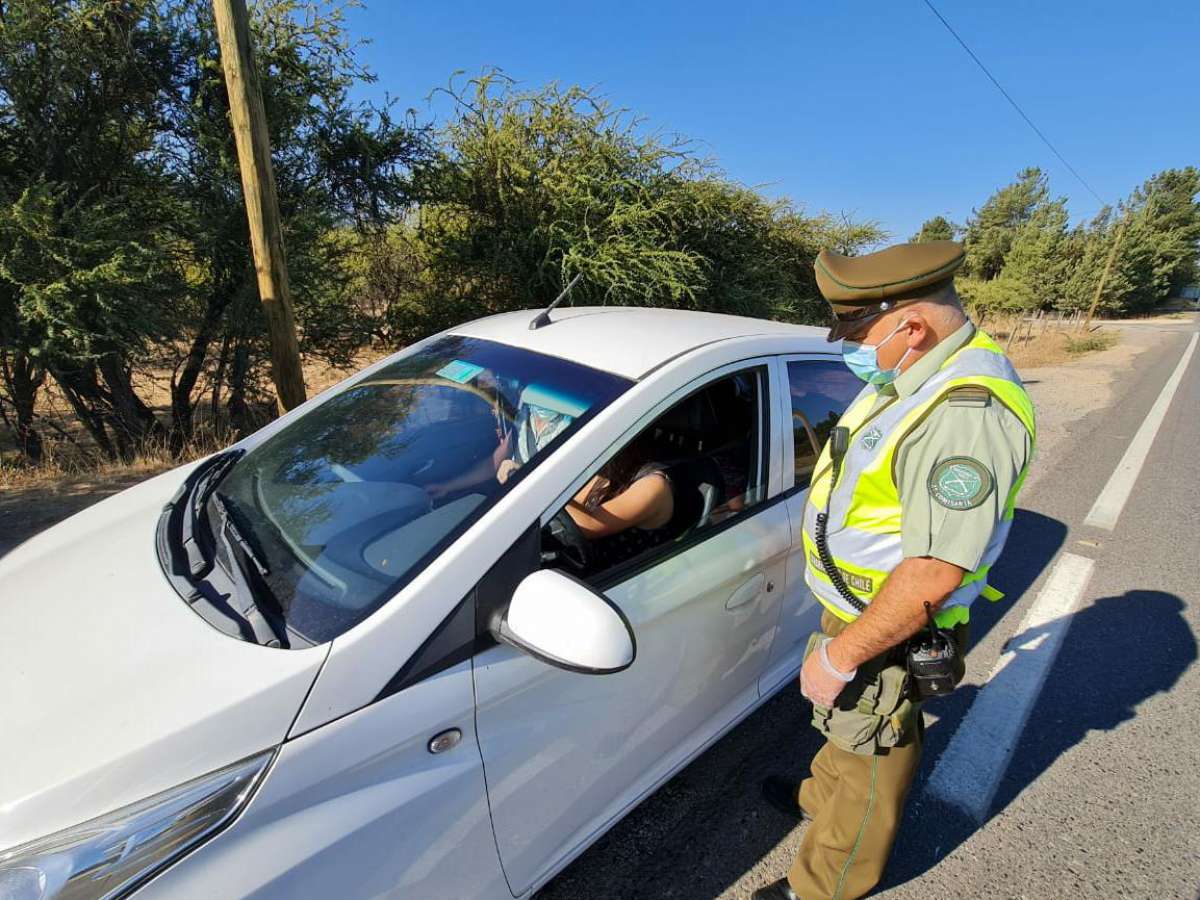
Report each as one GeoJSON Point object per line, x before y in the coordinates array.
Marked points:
{"type": "Point", "coordinates": [1117, 653]}
{"type": "Point", "coordinates": [1032, 545]}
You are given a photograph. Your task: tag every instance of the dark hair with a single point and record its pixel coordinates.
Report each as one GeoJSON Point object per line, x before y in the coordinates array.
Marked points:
{"type": "Point", "coordinates": [620, 472]}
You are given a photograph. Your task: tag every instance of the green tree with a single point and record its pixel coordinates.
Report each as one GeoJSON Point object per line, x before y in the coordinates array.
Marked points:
{"type": "Point", "coordinates": [85, 257]}
{"type": "Point", "coordinates": [939, 228]}
{"type": "Point", "coordinates": [1156, 256]}
{"type": "Point", "coordinates": [123, 236]}
{"type": "Point", "coordinates": [990, 232]}
{"type": "Point", "coordinates": [1159, 253]}
{"type": "Point", "coordinates": [1085, 252]}
{"type": "Point", "coordinates": [1000, 294]}
{"type": "Point", "coordinates": [1036, 259]}
{"type": "Point", "coordinates": [339, 166]}
{"type": "Point", "coordinates": [532, 187]}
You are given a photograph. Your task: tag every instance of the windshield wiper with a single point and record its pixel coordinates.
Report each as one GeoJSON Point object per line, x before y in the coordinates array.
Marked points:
{"type": "Point", "coordinates": [230, 528]}
{"type": "Point", "coordinates": [217, 468]}
{"type": "Point", "coordinates": [255, 588]}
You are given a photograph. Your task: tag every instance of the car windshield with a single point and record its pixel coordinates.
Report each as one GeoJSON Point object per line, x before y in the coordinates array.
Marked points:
{"type": "Point", "coordinates": [348, 503]}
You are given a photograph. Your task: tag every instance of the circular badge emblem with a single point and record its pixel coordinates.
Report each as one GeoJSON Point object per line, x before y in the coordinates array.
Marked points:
{"type": "Point", "coordinates": [960, 483]}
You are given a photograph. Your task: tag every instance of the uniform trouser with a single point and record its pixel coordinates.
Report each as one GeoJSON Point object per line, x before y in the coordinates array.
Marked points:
{"type": "Point", "coordinates": [856, 802]}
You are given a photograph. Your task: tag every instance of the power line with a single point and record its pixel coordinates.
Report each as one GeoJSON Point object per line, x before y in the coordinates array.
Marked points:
{"type": "Point", "coordinates": [1015, 105]}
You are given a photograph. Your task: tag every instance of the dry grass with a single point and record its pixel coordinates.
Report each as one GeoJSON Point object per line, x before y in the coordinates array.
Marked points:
{"type": "Point", "coordinates": [65, 463]}
{"type": "Point", "coordinates": [1044, 342]}
{"type": "Point", "coordinates": [34, 499]}
{"type": "Point", "coordinates": [73, 477]}
{"type": "Point", "coordinates": [1048, 349]}
{"type": "Point", "coordinates": [70, 463]}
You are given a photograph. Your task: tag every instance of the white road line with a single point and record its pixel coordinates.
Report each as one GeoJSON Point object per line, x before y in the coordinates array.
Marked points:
{"type": "Point", "coordinates": [1107, 508]}
{"type": "Point", "coordinates": [971, 767]}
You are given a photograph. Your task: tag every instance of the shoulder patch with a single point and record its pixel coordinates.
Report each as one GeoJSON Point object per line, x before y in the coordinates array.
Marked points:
{"type": "Point", "coordinates": [969, 395]}
{"type": "Point", "coordinates": [960, 482]}
{"type": "Point", "coordinates": [872, 438]}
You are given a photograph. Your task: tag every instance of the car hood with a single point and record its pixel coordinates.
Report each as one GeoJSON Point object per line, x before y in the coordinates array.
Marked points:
{"type": "Point", "coordinates": [113, 688]}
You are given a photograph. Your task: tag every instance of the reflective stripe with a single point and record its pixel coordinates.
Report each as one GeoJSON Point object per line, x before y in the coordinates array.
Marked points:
{"type": "Point", "coordinates": [952, 616]}
{"type": "Point", "coordinates": [865, 510]}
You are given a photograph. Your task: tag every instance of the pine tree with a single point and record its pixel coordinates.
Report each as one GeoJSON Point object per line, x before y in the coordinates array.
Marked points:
{"type": "Point", "coordinates": [990, 232]}
{"type": "Point", "coordinates": [939, 228]}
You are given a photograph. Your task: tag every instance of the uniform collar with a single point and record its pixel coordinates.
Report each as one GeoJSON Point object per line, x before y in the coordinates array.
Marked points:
{"type": "Point", "coordinates": [908, 382]}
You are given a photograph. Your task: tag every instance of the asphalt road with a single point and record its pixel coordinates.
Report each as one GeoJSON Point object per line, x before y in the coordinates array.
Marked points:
{"type": "Point", "coordinates": [1102, 795]}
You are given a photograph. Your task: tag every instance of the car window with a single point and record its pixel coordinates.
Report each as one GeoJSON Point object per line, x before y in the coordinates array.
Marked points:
{"type": "Point", "coordinates": [708, 448]}
{"type": "Point", "coordinates": [349, 502]}
{"type": "Point", "coordinates": [820, 391]}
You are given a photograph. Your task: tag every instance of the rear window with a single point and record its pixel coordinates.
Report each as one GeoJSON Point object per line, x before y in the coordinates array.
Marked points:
{"type": "Point", "coordinates": [820, 391]}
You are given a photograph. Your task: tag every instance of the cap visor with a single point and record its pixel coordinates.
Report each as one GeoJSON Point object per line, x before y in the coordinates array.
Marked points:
{"type": "Point", "coordinates": [841, 328]}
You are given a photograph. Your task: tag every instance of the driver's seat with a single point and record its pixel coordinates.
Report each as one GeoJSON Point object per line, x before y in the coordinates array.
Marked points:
{"type": "Point", "coordinates": [709, 492]}
{"type": "Point", "coordinates": [698, 488]}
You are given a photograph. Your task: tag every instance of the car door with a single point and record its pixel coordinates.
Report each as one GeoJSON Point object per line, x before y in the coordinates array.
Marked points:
{"type": "Point", "coordinates": [565, 754]}
{"type": "Point", "coordinates": [813, 391]}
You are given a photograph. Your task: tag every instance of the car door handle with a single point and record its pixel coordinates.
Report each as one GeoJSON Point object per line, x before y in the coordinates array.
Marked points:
{"type": "Point", "coordinates": [747, 592]}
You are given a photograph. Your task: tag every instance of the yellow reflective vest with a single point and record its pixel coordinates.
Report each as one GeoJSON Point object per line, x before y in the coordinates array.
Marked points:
{"type": "Point", "coordinates": [863, 529]}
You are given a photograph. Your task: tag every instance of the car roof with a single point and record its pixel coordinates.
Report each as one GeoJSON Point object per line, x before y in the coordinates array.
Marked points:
{"type": "Point", "coordinates": [627, 340]}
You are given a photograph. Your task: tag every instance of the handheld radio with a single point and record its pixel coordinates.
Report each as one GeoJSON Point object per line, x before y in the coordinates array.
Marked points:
{"type": "Point", "coordinates": [935, 667]}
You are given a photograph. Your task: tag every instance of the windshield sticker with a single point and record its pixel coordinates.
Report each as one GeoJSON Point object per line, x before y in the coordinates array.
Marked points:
{"type": "Point", "coordinates": [459, 372]}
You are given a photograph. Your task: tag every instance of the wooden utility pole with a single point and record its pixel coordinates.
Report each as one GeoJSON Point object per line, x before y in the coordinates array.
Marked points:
{"type": "Point", "coordinates": [1112, 255]}
{"type": "Point", "coordinates": [262, 205]}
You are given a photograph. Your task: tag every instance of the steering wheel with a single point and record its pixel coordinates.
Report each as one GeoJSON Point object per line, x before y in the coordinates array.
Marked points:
{"type": "Point", "coordinates": [575, 550]}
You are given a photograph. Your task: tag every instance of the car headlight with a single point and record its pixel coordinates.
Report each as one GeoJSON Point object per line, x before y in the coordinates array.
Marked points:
{"type": "Point", "coordinates": [110, 856]}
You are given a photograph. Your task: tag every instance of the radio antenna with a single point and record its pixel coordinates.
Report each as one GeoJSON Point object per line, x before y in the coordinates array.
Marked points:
{"type": "Point", "coordinates": [543, 318]}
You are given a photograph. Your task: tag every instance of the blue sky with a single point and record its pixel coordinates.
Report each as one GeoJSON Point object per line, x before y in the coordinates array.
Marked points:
{"type": "Point", "coordinates": [865, 107]}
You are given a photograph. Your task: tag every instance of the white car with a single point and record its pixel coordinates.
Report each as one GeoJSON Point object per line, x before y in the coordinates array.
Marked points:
{"type": "Point", "coordinates": [342, 659]}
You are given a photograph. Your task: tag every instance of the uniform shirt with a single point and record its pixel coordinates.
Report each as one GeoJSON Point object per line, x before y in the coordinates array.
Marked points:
{"type": "Point", "coordinates": [982, 429]}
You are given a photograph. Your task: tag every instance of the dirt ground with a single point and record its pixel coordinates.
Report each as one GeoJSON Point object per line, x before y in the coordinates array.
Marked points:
{"type": "Point", "coordinates": [1066, 391]}
{"type": "Point", "coordinates": [24, 511]}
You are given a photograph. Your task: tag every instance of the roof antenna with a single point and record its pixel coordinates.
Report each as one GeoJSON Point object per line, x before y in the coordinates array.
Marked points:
{"type": "Point", "coordinates": [543, 318]}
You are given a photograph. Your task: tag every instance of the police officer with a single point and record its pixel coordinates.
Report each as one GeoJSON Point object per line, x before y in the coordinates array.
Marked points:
{"type": "Point", "coordinates": [913, 512]}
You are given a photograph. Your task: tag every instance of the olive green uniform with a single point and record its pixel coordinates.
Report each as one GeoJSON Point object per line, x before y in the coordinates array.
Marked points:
{"type": "Point", "coordinates": [856, 798]}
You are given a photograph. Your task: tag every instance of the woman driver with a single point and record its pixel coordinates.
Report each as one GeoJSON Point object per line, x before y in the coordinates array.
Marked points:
{"type": "Point", "coordinates": [628, 492]}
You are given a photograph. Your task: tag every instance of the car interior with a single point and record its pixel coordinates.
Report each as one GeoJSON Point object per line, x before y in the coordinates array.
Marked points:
{"type": "Point", "coordinates": [709, 446]}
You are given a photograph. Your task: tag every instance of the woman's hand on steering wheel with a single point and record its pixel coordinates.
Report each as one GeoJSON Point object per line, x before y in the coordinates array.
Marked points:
{"type": "Point", "coordinates": [575, 550]}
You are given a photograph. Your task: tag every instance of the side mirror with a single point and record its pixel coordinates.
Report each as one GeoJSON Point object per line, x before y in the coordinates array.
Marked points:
{"type": "Point", "coordinates": [563, 622]}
